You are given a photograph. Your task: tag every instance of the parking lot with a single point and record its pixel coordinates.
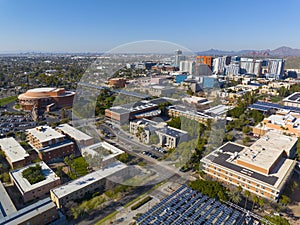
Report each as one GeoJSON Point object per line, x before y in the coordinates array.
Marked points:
{"type": "Point", "coordinates": [13, 123]}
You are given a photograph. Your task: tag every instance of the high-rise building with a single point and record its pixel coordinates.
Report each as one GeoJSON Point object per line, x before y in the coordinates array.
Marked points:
{"type": "Point", "coordinates": [207, 60]}
{"type": "Point", "coordinates": [178, 57]}
{"type": "Point", "coordinates": [276, 66]}
{"type": "Point", "coordinates": [251, 66]}
{"type": "Point", "coordinates": [220, 63]}
{"type": "Point", "coordinates": [233, 68]}
{"type": "Point", "coordinates": [187, 66]}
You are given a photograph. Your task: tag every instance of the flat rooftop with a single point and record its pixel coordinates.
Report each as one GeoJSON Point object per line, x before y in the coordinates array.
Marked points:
{"type": "Point", "coordinates": [295, 97]}
{"type": "Point", "coordinates": [188, 111]}
{"type": "Point", "coordinates": [45, 133]}
{"type": "Point", "coordinates": [13, 150]}
{"type": "Point", "coordinates": [24, 185]}
{"type": "Point", "coordinates": [226, 157]}
{"type": "Point", "coordinates": [6, 205]}
{"type": "Point", "coordinates": [173, 132]}
{"type": "Point", "coordinates": [114, 151]}
{"type": "Point", "coordinates": [22, 215]}
{"type": "Point", "coordinates": [218, 110]}
{"type": "Point", "coordinates": [88, 179]}
{"type": "Point", "coordinates": [266, 150]}
{"type": "Point", "coordinates": [73, 132]}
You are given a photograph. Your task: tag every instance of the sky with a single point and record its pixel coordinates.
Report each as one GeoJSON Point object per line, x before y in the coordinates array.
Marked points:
{"type": "Point", "coordinates": [98, 25]}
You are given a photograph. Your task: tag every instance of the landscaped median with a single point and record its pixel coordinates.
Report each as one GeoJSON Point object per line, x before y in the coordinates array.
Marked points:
{"type": "Point", "coordinates": [7, 100]}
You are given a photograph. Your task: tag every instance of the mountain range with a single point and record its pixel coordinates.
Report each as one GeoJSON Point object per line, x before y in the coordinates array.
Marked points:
{"type": "Point", "coordinates": [280, 52]}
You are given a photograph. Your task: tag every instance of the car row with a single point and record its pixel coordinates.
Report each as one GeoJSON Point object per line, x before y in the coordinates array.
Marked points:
{"type": "Point", "coordinates": [150, 154]}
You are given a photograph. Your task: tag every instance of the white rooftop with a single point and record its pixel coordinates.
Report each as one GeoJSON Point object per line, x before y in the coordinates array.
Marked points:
{"type": "Point", "coordinates": [13, 150]}
{"type": "Point", "coordinates": [45, 133]}
{"type": "Point", "coordinates": [5, 203]}
{"type": "Point", "coordinates": [73, 132]}
{"type": "Point", "coordinates": [266, 150]}
{"type": "Point", "coordinates": [88, 179]}
{"type": "Point", "coordinates": [45, 89]}
{"type": "Point", "coordinates": [218, 110]}
{"type": "Point", "coordinates": [114, 150]}
{"type": "Point", "coordinates": [25, 214]}
{"type": "Point", "coordinates": [24, 185]}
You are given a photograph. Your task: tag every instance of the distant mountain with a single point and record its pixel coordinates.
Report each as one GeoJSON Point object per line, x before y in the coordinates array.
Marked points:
{"type": "Point", "coordinates": [285, 51]}
{"type": "Point", "coordinates": [282, 52]}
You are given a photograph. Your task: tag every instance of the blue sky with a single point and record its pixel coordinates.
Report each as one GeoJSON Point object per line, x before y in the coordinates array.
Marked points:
{"type": "Point", "coordinates": [96, 26]}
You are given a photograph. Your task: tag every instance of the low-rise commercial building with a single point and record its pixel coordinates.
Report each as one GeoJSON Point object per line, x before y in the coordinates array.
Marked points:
{"type": "Point", "coordinates": [283, 121]}
{"type": "Point", "coordinates": [34, 191]}
{"type": "Point", "coordinates": [124, 113]}
{"type": "Point", "coordinates": [117, 82]}
{"type": "Point", "coordinates": [89, 183]}
{"type": "Point", "coordinates": [292, 100]}
{"type": "Point", "coordinates": [167, 136]}
{"type": "Point", "coordinates": [82, 139]}
{"type": "Point", "coordinates": [42, 212]}
{"type": "Point", "coordinates": [161, 91]}
{"type": "Point", "coordinates": [49, 143]}
{"type": "Point", "coordinates": [188, 112]}
{"type": "Point", "coordinates": [7, 207]}
{"type": "Point", "coordinates": [14, 152]}
{"type": "Point", "coordinates": [263, 168]}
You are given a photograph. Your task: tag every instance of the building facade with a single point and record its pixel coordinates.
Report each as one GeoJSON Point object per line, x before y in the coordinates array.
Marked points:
{"type": "Point", "coordinates": [15, 154]}
{"type": "Point", "coordinates": [43, 97]}
{"type": "Point", "coordinates": [49, 143]}
{"type": "Point", "coordinates": [34, 191]}
{"type": "Point", "coordinates": [89, 183]}
{"type": "Point", "coordinates": [263, 168]}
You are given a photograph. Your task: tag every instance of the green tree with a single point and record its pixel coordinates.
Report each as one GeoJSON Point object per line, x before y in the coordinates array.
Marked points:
{"type": "Point", "coordinates": [284, 200]}
{"type": "Point", "coordinates": [261, 203]}
{"type": "Point", "coordinates": [175, 122]}
{"type": "Point", "coordinates": [234, 196]}
{"type": "Point", "coordinates": [254, 200]}
{"type": "Point", "coordinates": [247, 195]}
{"type": "Point", "coordinates": [124, 158]}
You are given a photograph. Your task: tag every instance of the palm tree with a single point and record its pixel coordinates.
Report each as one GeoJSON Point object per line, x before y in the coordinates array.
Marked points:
{"type": "Point", "coordinates": [261, 202]}
{"type": "Point", "coordinates": [247, 195]}
{"type": "Point", "coordinates": [254, 200]}
{"type": "Point", "coordinates": [234, 196]}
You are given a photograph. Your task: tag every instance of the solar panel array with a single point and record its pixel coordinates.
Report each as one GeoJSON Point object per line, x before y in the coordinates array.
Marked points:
{"type": "Point", "coordinates": [186, 206]}
{"type": "Point", "coordinates": [266, 106]}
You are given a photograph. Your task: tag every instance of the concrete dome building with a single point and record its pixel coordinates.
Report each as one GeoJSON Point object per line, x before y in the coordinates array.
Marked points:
{"type": "Point", "coordinates": [46, 98]}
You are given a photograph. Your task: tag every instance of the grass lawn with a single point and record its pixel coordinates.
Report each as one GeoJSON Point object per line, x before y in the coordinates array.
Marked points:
{"type": "Point", "coordinates": [78, 168]}
{"type": "Point", "coordinates": [7, 100]}
{"type": "Point", "coordinates": [276, 98]}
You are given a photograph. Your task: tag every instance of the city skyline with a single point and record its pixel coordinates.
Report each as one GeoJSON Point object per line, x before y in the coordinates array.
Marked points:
{"type": "Point", "coordinates": [75, 26]}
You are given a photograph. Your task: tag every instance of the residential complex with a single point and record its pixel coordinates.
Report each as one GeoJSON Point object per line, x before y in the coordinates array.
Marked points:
{"type": "Point", "coordinates": [15, 154]}
{"type": "Point", "coordinates": [49, 143]}
{"type": "Point", "coordinates": [89, 183]}
{"type": "Point", "coordinates": [263, 168]}
{"type": "Point", "coordinates": [37, 190]}
{"type": "Point", "coordinates": [81, 139]}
